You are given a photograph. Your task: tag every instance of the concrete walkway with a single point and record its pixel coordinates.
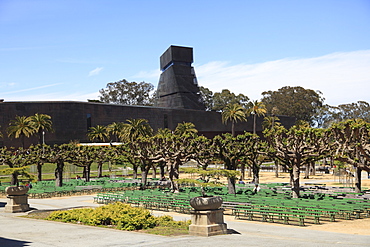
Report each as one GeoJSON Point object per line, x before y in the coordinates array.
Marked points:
{"type": "Point", "coordinates": [18, 232]}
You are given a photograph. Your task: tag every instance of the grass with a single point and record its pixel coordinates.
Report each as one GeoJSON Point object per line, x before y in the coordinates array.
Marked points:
{"type": "Point", "coordinates": [48, 170]}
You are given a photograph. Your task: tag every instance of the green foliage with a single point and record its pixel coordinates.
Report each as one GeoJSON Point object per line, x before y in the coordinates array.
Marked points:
{"type": "Point", "coordinates": [119, 215]}
{"type": "Point", "coordinates": [185, 128]}
{"type": "Point", "coordinates": [98, 133]}
{"type": "Point", "coordinates": [233, 113]}
{"type": "Point", "coordinates": [295, 102]}
{"type": "Point", "coordinates": [168, 221]}
{"type": "Point", "coordinates": [135, 128]}
{"type": "Point", "coordinates": [221, 100]}
{"type": "Point", "coordinates": [127, 93]}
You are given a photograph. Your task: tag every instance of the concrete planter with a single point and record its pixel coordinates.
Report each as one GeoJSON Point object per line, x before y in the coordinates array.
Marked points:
{"type": "Point", "coordinates": [16, 191]}
{"type": "Point", "coordinates": [200, 203]}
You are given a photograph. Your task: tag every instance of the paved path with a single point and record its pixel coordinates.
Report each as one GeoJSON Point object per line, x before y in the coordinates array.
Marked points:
{"type": "Point", "coordinates": [19, 232]}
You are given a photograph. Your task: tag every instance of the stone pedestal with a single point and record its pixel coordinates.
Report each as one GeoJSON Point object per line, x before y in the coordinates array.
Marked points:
{"type": "Point", "coordinates": [207, 223]}
{"type": "Point", "coordinates": [17, 203]}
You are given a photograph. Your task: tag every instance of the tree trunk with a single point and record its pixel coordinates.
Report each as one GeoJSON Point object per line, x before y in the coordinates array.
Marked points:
{"type": "Point", "coordinates": [100, 169]}
{"type": "Point", "coordinates": [134, 170]}
{"type": "Point", "coordinates": [162, 170]}
{"type": "Point", "coordinates": [39, 171]}
{"type": "Point", "coordinates": [231, 185]}
{"type": "Point", "coordinates": [144, 175]}
{"type": "Point", "coordinates": [254, 123]}
{"type": "Point", "coordinates": [276, 168]}
{"type": "Point", "coordinates": [313, 169]}
{"type": "Point", "coordinates": [87, 170]}
{"type": "Point", "coordinates": [59, 174]}
{"type": "Point", "coordinates": [295, 181]}
{"type": "Point", "coordinates": [242, 168]}
{"type": "Point", "coordinates": [307, 171]}
{"type": "Point", "coordinates": [232, 128]}
{"type": "Point", "coordinates": [256, 173]}
{"type": "Point", "coordinates": [358, 180]}
{"type": "Point", "coordinates": [22, 140]}
{"type": "Point", "coordinates": [174, 175]}
{"type": "Point", "coordinates": [14, 179]}
{"type": "Point", "coordinates": [84, 172]}
{"type": "Point", "coordinates": [154, 171]}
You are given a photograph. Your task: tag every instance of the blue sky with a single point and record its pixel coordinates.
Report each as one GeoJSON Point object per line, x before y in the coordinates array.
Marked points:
{"type": "Point", "coordinates": [68, 49]}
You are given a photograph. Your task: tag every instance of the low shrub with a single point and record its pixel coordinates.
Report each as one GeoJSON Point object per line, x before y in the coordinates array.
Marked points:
{"type": "Point", "coordinates": [118, 215]}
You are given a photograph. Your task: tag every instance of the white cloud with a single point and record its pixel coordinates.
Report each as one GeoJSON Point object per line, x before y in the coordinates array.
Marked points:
{"type": "Point", "coordinates": [342, 77]}
{"type": "Point", "coordinates": [54, 96]}
{"type": "Point", "coordinates": [95, 71]}
{"type": "Point", "coordinates": [30, 89]}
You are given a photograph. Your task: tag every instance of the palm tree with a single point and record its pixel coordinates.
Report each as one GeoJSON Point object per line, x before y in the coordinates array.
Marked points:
{"type": "Point", "coordinates": [257, 108]}
{"type": "Point", "coordinates": [41, 123]}
{"type": "Point", "coordinates": [135, 128]}
{"type": "Point", "coordinates": [115, 129]}
{"type": "Point", "coordinates": [185, 128]}
{"type": "Point", "coordinates": [233, 113]}
{"type": "Point", "coordinates": [270, 122]}
{"type": "Point", "coordinates": [98, 133]}
{"type": "Point", "coordinates": [21, 127]}
{"type": "Point", "coordinates": [163, 132]}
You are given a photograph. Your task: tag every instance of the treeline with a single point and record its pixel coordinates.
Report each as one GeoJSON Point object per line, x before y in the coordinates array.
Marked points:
{"type": "Point", "coordinates": [301, 145]}
{"type": "Point", "coordinates": [303, 104]}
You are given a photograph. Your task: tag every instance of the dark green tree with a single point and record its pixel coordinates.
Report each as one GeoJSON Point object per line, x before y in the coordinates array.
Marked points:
{"type": "Point", "coordinates": [221, 100]}
{"type": "Point", "coordinates": [296, 102]}
{"type": "Point", "coordinates": [207, 98]}
{"type": "Point", "coordinates": [127, 93]}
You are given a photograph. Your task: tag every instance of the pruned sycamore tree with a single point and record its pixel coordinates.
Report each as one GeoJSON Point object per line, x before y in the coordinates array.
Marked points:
{"type": "Point", "coordinates": [230, 150]}
{"type": "Point", "coordinates": [145, 150]}
{"type": "Point", "coordinates": [201, 151]}
{"type": "Point", "coordinates": [296, 147]}
{"type": "Point", "coordinates": [352, 145]}
{"type": "Point", "coordinates": [174, 151]}
{"type": "Point", "coordinates": [58, 154]}
{"type": "Point", "coordinates": [18, 161]}
{"type": "Point", "coordinates": [255, 153]}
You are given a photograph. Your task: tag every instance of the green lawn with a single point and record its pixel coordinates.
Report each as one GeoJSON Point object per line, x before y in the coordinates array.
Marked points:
{"type": "Point", "coordinates": [49, 168]}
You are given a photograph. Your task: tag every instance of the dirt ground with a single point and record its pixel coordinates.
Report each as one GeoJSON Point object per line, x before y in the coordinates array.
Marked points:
{"type": "Point", "coordinates": [357, 226]}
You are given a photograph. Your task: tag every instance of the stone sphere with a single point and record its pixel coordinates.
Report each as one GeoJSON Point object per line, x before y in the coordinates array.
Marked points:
{"type": "Point", "coordinates": [206, 202]}
{"type": "Point", "coordinates": [16, 191]}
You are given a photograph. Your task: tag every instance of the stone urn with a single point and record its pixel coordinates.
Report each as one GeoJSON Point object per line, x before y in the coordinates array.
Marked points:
{"type": "Point", "coordinates": [207, 219]}
{"type": "Point", "coordinates": [16, 191]}
{"type": "Point", "coordinates": [201, 203]}
{"type": "Point", "coordinates": [17, 199]}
